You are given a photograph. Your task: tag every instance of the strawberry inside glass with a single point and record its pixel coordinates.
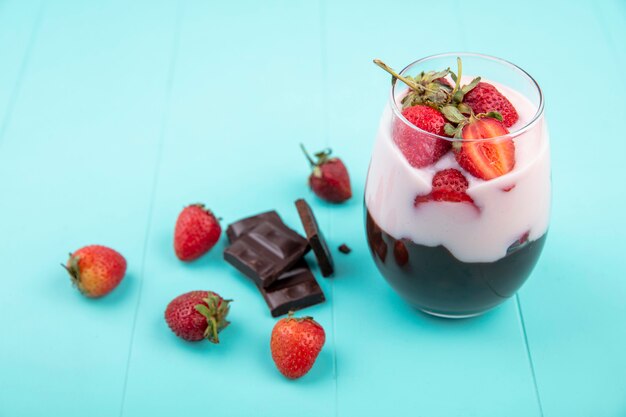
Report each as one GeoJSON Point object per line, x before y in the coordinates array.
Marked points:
{"type": "Point", "coordinates": [458, 191]}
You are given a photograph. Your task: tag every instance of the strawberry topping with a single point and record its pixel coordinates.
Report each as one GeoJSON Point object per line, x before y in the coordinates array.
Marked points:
{"type": "Point", "coordinates": [448, 185]}
{"type": "Point", "coordinates": [485, 159]}
{"type": "Point", "coordinates": [485, 98]}
{"type": "Point", "coordinates": [421, 149]}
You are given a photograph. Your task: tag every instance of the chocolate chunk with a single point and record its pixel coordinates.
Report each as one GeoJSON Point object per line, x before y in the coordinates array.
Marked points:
{"type": "Point", "coordinates": [293, 290]}
{"type": "Point", "coordinates": [242, 226]}
{"type": "Point", "coordinates": [266, 251]}
{"type": "Point", "coordinates": [315, 237]}
{"type": "Point", "coordinates": [345, 249]}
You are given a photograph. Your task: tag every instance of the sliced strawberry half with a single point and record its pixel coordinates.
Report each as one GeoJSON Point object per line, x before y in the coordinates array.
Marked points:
{"type": "Point", "coordinates": [485, 159]}
{"type": "Point", "coordinates": [448, 185]}
{"type": "Point", "coordinates": [419, 148]}
{"type": "Point", "coordinates": [485, 98]}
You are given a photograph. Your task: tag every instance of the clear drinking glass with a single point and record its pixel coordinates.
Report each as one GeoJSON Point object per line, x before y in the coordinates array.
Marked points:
{"type": "Point", "coordinates": [459, 259]}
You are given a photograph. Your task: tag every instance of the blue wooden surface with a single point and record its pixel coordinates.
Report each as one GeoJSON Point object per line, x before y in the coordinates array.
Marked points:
{"type": "Point", "coordinates": [113, 116]}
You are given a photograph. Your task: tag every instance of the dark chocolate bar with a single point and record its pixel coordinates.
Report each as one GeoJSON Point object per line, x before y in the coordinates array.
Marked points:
{"type": "Point", "coordinates": [293, 290]}
{"type": "Point", "coordinates": [266, 251]}
{"type": "Point", "coordinates": [242, 226]}
{"type": "Point", "coordinates": [315, 237]}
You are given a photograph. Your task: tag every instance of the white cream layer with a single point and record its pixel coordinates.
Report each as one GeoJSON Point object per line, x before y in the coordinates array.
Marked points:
{"type": "Point", "coordinates": [470, 235]}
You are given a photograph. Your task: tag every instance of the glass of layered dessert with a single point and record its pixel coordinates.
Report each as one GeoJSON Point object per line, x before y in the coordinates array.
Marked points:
{"type": "Point", "coordinates": [458, 194]}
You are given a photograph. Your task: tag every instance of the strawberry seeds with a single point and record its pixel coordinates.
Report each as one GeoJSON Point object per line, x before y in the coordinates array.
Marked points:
{"type": "Point", "coordinates": [439, 117]}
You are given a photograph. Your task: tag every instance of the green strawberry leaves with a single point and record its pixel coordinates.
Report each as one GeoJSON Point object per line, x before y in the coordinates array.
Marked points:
{"type": "Point", "coordinates": [215, 312]}
{"type": "Point", "coordinates": [493, 114]}
{"type": "Point", "coordinates": [453, 114]}
{"type": "Point", "coordinates": [459, 93]}
{"type": "Point", "coordinates": [321, 156]}
{"type": "Point", "coordinates": [424, 89]}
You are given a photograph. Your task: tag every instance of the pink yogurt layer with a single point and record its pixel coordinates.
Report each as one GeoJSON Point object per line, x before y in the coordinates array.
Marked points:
{"type": "Point", "coordinates": [470, 235]}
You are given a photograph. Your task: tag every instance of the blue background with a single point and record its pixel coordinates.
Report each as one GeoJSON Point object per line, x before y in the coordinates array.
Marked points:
{"type": "Point", "coordinates": [114, 115]}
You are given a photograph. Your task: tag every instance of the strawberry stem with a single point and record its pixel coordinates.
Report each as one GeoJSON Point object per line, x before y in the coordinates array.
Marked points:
{"type": "Point", "coordinates": [413, 85]}
{"type": "Point", "coordinates": [215, 338]}
{"type": "Point", "coordinates": [290, 316]}
{"type": "Point", "coordinates": [459, 72]}
{"type": "Point", "coordinates": [308, 157]}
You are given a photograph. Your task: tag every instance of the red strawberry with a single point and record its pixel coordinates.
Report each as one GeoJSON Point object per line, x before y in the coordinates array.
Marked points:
{"type": "Point", "coordinates": [400, 253]}
{"type": "Point", "coordinates": [197, 231]}
{"type": "Point", "coordinates": [198, 315]}
{"type": "Point", "coordinates": [485, 159]}
{"type": "Point", "coordinates": [295, 344]}
{"type": "Point", "coordinates": [96, 270]}
{"type": "Point", "coordinates": [329, 180]}
{"type": "Point", "coordinates": [448, 185]}
{"type": "Point", "coordinates": [421, 149]}
{"type": "Point", "coordinates": [485, 98]}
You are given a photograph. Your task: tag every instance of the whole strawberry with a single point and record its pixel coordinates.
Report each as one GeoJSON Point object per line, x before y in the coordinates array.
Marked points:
{"type": "Point", "coordinates": [448, 185]}
{"type": "Point", "coordinates": [485, 98]}
{"type": "Point", "coordinates": [418, 147]}
{"type": "Point", "coordinates": [96, 270]}
{"type": "Point", "coordinates": [197, 231]}
{"type": "Point", "coordinates": [295, 344]}
{"type": "Point", "coordinates": [198, 315]}
{"type": "Point", "coordinates": [329, 180]}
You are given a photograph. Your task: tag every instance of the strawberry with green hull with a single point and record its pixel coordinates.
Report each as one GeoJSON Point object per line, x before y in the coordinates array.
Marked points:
{"type": "Point", "coordinates": [96, 270]}
{"type": "Point", "coordinates": [329, 180]}
{"type": "Point", "coordinates": [198, 315]}
{"type": "Point", "coordinates": [295, 345]}
{"type": "Point", "coordinates": [428, 91]}
{"type": "Point", "coordinates": [474, 111]}
{"type": "Point", "coordinates": [197, 231]}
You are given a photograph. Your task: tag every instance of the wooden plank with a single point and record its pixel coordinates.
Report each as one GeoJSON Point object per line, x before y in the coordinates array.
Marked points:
{"type": "Point", "coordinates": [91, 114]}
{"type": "Point", "coordinates": [390, 358]}
{"type": "Point", "coordinates": [76, 168]}
{"type": "Point", "coordinates": [246, 91]}
{"type": "Point", "coordinates": [19, 22]}
{"type": "Point", "coordinates": [574, 304]}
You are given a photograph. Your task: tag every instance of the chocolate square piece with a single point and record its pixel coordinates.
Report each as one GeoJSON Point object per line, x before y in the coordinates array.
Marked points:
{"type": "Point", "coordinates": [293, 290]}
{"type": "Point", "coordinates": [242, 226]}
{"type": "Point", "coordinates": [266, 251]}
{"type": "Point", "coordinates": [315, 238]}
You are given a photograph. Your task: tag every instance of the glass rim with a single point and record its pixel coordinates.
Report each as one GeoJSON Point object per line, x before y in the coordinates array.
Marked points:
{"type": "Point", "coordinates": [533, 121]}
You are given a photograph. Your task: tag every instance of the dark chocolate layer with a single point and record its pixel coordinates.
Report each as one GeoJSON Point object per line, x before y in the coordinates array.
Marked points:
{"type": "Point", "coordinates": [433, 279]}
